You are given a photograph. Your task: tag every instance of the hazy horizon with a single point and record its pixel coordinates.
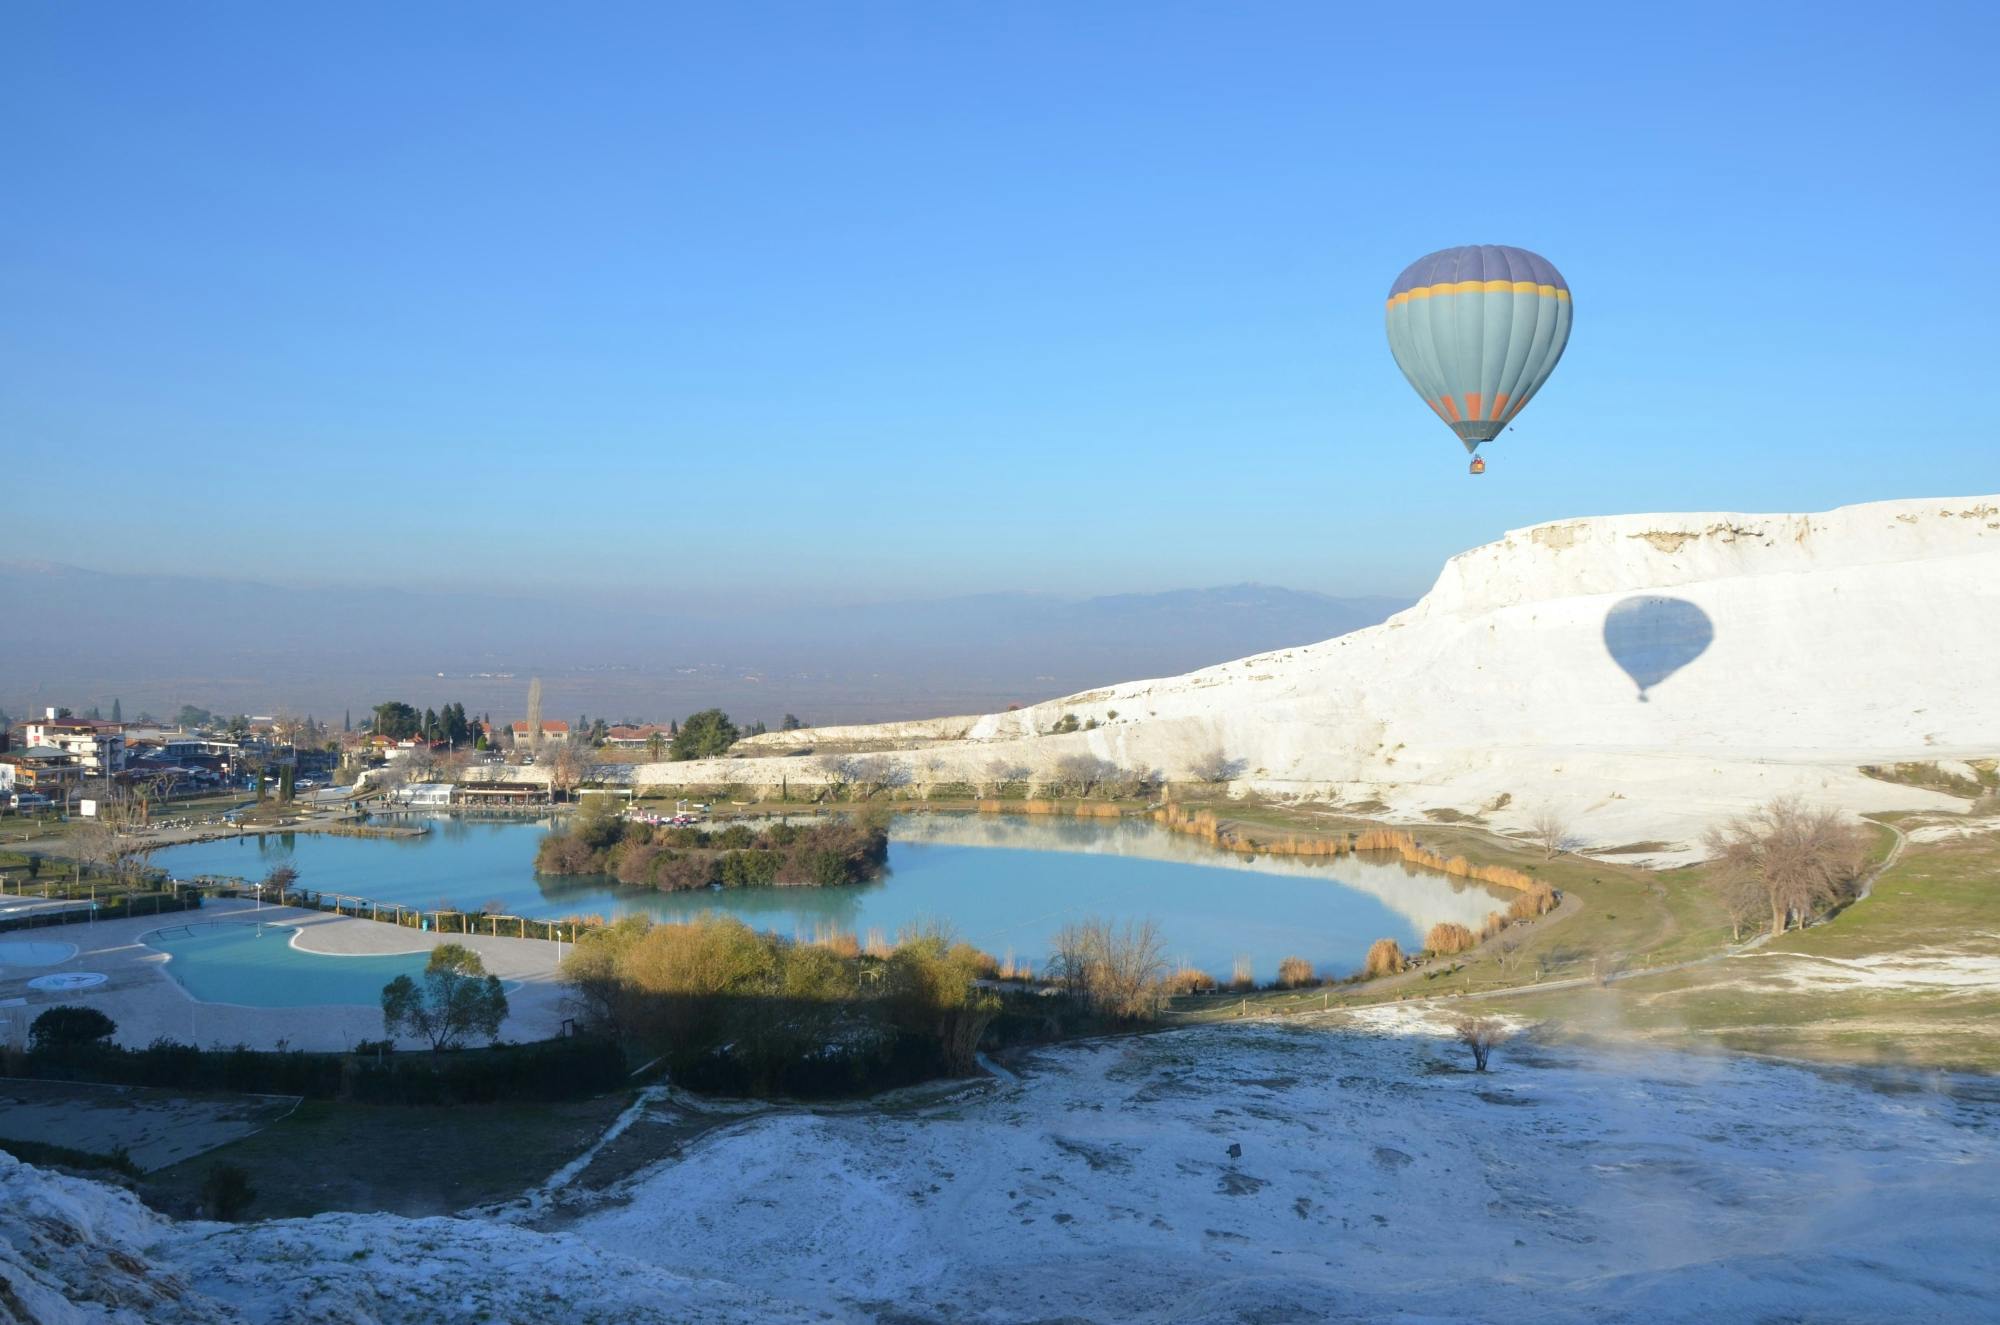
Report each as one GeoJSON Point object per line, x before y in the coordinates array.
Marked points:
{"type": "Point", "coordinates": [155, 642]}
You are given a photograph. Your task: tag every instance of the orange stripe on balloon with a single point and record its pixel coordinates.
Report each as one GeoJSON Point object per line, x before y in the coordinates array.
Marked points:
{"type": "Point", "coordinates": [1499, 406]}
{"type": "Point", "coordinates": [1473, 400]}
{"type": "Point", "coordinates": [1448, 407]}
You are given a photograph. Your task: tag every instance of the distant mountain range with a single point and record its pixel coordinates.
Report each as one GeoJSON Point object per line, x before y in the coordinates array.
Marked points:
{"type": "Point", "coordinates": [83, 637]}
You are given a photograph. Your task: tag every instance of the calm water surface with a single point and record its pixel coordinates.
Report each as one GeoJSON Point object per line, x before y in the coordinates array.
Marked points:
{"type": "Point", "coordinates": [256, 965]}
{"type": "Point", "coordinates": [1003, 882]}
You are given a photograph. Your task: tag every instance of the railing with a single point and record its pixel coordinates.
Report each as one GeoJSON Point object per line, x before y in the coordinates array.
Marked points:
{"type": "Point", "coordinates": [436, 920]}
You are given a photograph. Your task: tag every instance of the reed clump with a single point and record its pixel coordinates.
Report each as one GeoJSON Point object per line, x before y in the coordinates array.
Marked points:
{"type": "Point", "coordinates": [1295, 973]}
{"type": "Point", "coordinates": [1385, 957]}
{"type": "Point", "coordinates": [1448, 937]}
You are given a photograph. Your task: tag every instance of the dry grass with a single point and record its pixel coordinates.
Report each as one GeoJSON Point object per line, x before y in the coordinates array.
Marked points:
{"type": "Point", "coordinates": [1385, 957]}
{"type": "Point", "coordinates": [1295, 973]}
{"type": "Point", "coordinates": [878, 945]}
{"type": "Point", "coordinates": [1244, 976]}
{"type": "Point", "coordinates": [1190, 980]}
{"type": "Point", "coordinates": [1448, 937]}
{"type": "Point", "coordinates": [840, 942]}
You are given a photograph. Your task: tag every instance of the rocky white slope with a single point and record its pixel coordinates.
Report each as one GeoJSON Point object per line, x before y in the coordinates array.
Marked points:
{"type": "Point", "coordinates": [1377, 1179]}
{"type": "Point", "coordinates": [1867, 634]}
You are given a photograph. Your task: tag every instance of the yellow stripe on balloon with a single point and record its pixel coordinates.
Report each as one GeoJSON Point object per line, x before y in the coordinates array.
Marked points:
{"type": "Point", "coordinates": [1479, 287]}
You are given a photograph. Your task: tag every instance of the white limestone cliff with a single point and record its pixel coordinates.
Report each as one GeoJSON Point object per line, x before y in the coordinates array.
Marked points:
{"type": "Point", "coordinates": [1863, 635]}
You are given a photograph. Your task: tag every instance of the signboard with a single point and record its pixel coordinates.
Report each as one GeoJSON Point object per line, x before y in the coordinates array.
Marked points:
{"type": "Point", "coordinates": [88, 809]}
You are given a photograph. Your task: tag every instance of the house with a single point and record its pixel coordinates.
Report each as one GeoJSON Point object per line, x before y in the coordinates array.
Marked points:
{"type": "Point", "coordinates": [503, 793]}
{"type": "Point", "coordinates": [638, 737]}
{"type": "Point", "coordinates": [551, 732]}
{"type": "Point", "coordinates": [98, 747]}
{"type": "Point", "coordinates": [40, 771]}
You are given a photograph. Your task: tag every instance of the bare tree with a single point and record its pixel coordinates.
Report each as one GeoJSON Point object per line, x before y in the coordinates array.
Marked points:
{"type": "Point", "coordinates": [1743, 899]}
{"type": "Point", "coordinates": [1480, 1034]}
{"type": "Point", "coordinates": [932, 766]}
{"type": "Point", "coordinates": [566, 762]}
{"type": "Point", "coordinates": [839, 771]}
{"type": "Point", "coordinates": [1122, 970]}
{"type": "Point", "coordinates": [1214, 766]}
{"type": "Point", "coordinates": [1802, 860]}
{"type": "Point", "coordinates": [1080, 774]}
{"type": "Point", "coordinates": [1549, 830]}
{"type": "Point", "coordinates": [877, 773]}
{"type": "Point", "coordinates": [1000, 772]}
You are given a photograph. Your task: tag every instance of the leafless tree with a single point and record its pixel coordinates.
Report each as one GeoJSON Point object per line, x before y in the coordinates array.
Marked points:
{"type": "Point", "coordinates": [1121, 969]}
{"type": "Point", "coordinates": [838, 769]}
{"type": "Point", "coordinates": [1504, 944]}
{"type": "Point", "coordinates": [1802, 860]}
{"type": "Point", "coordinates": [566, 762]}
{"type": "Point", "coordinates": [932, 767]}
{"type": "Point", "coordinates": [1743, 899]}
{"type": "Point", "coordinates": [1080, 774]}
{"type": "Point", "coordinates": [1480, 1034]}
{"type": "Point", "coordinates": [876, 773]}
{"type": "Point", "coordinates": [999, 772]}
{"type": "Point", "coordinates": [1549, 830]}
{"type": "Point", "coordinates": [1214, 766]}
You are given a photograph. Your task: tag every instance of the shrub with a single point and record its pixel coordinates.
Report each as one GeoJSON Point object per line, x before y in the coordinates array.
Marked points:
{"type": "Point", "coordinates": [1295, 973]}
{"type": "Point", "coordinates": [1449, 937]}
{"type": "Point", "coordinates": [1243, 976]}
{"type": "Point", "coordinates": [1537, 901]}
{"type": "Point", "coordinates": [1495, 922]}
{"type": "Point", "coordinates": [1385, 957]}
{"type": "Point", "coordinates": [1064, 725]}
{"type": "Point", "coordinates": [66, 1026]}
{"type": "Point", "coordinates": [226, 1192]}
{"type": "Point", "coordinates": [1479, 1034]}
{"type": "Point", "coordinates": [1120, 970]}
{"type": "Point", "coordinates": [1190, 980]}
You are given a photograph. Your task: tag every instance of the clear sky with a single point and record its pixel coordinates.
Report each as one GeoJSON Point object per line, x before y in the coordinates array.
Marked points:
{"type": "Point", "coordinates": [893, 300]}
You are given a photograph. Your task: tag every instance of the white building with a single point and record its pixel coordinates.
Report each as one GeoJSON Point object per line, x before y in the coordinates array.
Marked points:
{"type": "Point", "coordinates": [97, 747]}
{"type": "Point", "coordinates": [423, 795]}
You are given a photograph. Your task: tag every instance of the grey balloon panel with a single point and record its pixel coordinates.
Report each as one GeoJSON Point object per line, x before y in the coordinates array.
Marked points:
{"type": "Point", "coordinates": [1464, 350]}
{"type": "Point", "coordinates": [1652, 637]}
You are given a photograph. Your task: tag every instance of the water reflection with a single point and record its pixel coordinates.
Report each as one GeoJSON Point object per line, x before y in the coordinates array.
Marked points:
{"type": "Point", "coordinates": [1006, 883]}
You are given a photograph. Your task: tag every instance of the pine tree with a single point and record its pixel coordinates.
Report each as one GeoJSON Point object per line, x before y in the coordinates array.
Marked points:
{"type": "Point", "coordinates": [117, 711]}
{"type": "Point", "coordinates": [347, 720]}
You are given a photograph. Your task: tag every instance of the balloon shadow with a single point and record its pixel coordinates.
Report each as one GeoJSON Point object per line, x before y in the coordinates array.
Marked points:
{"type": "Point", "coordinates": [1652, 638]}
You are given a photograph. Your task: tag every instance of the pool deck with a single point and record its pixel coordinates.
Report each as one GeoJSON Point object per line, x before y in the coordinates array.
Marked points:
{"type": "Point", "coordinates": [147, 1003]}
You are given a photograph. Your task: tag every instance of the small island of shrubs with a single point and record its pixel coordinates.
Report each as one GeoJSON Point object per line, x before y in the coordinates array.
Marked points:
{"type": "Point", "coordinates": [845, 849]}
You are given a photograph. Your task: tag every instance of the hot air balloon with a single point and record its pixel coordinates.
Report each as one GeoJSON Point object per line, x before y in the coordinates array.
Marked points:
{"type": "Point", "coordinates": [1477, 330]}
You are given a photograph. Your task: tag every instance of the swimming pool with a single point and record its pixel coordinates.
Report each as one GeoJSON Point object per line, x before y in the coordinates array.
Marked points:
{"type": "Point", "coordinates": [256, 965]}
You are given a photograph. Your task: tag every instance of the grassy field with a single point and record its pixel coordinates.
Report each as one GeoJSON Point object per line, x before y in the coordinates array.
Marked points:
{"type": "Point", "coordinates": [1860, 988]}
{"type": "Point", "coordinates": [410, 1161]}
{"type": "Point", "coordinates": [1863, 987]}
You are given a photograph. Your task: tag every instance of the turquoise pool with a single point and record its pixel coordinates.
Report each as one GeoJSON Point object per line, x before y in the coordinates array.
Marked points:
{"type": "Point", "coordinates": [256, 965]}
{"type": "Point", "coordinates": [1005, 882]}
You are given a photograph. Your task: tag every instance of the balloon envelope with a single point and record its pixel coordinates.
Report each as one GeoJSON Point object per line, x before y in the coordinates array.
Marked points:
{"type": "Point", "coordinates": [1652, 638]}
{"type": "Point", "coordinates": [1477, 330]}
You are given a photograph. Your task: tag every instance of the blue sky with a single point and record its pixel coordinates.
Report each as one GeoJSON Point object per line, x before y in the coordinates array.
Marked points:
{"type": "Point", "coordinates": [891, 300]}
